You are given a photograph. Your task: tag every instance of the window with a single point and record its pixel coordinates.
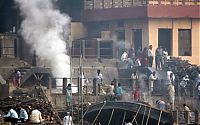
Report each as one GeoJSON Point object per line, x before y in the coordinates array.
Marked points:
{"type": "Point", "coordinates": [121, 35]}
{"type": "Point", "coordinates": [184, 42]}
{"type": "Point", "coordinates": [76, 44]}
{"type": "Point", "coordinates": [120, 23]}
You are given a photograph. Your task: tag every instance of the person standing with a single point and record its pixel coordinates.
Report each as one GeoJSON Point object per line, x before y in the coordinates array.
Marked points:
{"type": "Point", "coordinates": [134, 78]}
{"type": "Point", "coordinates": [99, 77]}
{"type": "Point", "coordinates": [118, 92]}
{"type": "Point", "coordinates": [131, 53]}
{"type": "Point", "coordinates": [18, 78]}
{"type": "Point", "coordinates": [170, 77]}
{"type": "Point", "coordinates": [152, 79]}
{"type": "Point", "coordinates": [111, 92]}
{"type": "Point", "coordinates": [68, 94]}
{"type": "Point", "coordinates": [159, 58]}
{"type": "Point", "coordinates": [171, 92]}
{"type": "Point", "coordinates": [145, 57]}
{"type": "Point", "coordinates": [137, 94]}
{"type": "Point", "coordinates": [165, 55]}
{"type": "Point", "coordinates": [150, 56]}
{"type": "Point", "coordinates": [124, 56]}
{"type": "Point", "coordinates": [99, 80]}
{"type": "Point", "coordinates": [183, 85]}
{"type": "Point", "coordinates": [67, 120]}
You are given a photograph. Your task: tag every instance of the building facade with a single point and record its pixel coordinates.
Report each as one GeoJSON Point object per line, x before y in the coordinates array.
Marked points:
{"type": "Point", "coordinates": [172, 24]}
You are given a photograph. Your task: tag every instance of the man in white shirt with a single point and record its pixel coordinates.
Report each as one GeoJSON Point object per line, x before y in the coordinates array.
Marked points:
{"type": "Point", "coordinates": [36, 116]}
{"type": "Point", "coordinates": [150, 56]}
{"type": "Point", "coordinates": [99, 81]}
{"type": "Point", "coordinates": [23, 115]}
{"type": "Point", "coordinates": [128, 121]}
{"type": "Point", "coordinates": [152, 79]}
{"type": "Point", "coordinates": [124, 57]}
{"type": "Point", "coordinates": [11, 116]}
{"type": "Point", "coordinates": [171, 92]}
{"type": "Point", "coordinates": [67, 120]}
{"type": "Point", "coordinates": [170, 77]}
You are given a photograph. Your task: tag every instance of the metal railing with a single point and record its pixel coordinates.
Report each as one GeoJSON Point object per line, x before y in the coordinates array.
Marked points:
{"type": "Point", "coordinates": [102, 4]}
{"type": "Point", "coordinates": [186, 117]}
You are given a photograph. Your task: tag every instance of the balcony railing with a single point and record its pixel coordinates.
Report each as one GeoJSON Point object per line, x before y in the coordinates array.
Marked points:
{"type": "Point", "coordinates": [101, 4]}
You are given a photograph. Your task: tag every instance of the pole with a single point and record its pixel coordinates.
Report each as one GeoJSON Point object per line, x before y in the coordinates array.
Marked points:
{"type": "Point", "coordinates": [98, 113]}
{"type": "Point", "coordinates": [124, 118]}
{"type": "Point", "coordinates": [111, 116]}
{"type": "Point", "coordinates": [148, 115]}
{"type": "Point", "coordinates": [136, 114]}
{"type": "Point", "coordinates": [144, 115]}
{"type": "Point", "coordinates": [81, 87]}
{"type": "Point", "coordinates": [159, 117]}
{"type": "Point", "coordinates": [71, 49]}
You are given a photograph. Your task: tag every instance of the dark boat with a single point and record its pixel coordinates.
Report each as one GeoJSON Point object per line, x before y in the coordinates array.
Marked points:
{"type": "Point", "coordinates": [115, 113]}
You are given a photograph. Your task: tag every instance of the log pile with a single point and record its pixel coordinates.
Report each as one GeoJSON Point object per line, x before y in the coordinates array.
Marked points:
{"type": "Point", "coordinates": [182, 67]}
{"type": "Point", "coordinates": [30, 104]}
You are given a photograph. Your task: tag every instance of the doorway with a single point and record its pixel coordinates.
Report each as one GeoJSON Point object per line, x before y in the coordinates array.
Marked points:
{"type": "Point", "coordinates": [165, 39]}
{"type": "Point", "coordinates": [137, 39]}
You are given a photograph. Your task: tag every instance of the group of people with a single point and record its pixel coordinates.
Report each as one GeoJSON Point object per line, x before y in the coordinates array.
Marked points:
{"type": "Point", "coordinates": [115, 91]}
{"type": "Point", "coordinates": [145, 57]}
{"type": "Point", "coordinates": [19, 114]}
{"type": "Point", "coordinates": [161, 57]}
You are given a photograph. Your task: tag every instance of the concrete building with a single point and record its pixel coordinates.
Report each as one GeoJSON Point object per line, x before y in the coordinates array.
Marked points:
{"type": "Point", "coordinates": [172, 24]}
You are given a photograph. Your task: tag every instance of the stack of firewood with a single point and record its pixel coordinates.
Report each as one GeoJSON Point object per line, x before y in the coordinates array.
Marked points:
{"type": "Point", "coordinates": [30, 104]}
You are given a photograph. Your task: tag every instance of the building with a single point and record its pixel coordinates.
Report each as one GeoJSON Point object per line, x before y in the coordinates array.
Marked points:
{"type": "Point", "coordinates": [103, 28]}
{"type": "Point", "coordinates": [172, 24]}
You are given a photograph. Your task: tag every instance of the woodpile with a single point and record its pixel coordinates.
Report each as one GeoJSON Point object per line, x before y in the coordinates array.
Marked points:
{"type": "Point", "coordinates": [30, 104]}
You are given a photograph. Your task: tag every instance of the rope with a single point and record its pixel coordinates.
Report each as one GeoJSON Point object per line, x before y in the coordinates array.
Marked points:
{"type": "Point", "coordinates": [136, 113]}
{"type": "Point", "coordinates": [111, 116]}
{"type": "Point", "coordinates": [124, 118]}
{"type": "Point", "coordinates": [98, 113]}
{"type": "Point", "coordinates": [144, 115]}
{"type": "Point", "coordinates": [148, 115]}
{"type": "Point", "coordinates": [159, 117]}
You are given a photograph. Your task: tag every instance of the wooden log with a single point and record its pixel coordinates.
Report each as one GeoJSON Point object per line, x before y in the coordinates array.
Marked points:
{"type": "Point", "coordinates": [5, 123]}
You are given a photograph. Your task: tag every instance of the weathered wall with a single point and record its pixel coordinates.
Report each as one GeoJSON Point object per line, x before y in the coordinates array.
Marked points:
{"type": "Point", "coordinates": [175, 24]}
{"type": "Point", "coordinates": [77, 31]}
{"type": "Point", "coordinates": [136, 24]}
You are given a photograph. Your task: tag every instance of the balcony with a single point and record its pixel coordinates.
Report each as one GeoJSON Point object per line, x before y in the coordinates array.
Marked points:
{"type": "Point", "coordinates": [105, 10]}
{"type": "Point", "coordinates": [102, 4]}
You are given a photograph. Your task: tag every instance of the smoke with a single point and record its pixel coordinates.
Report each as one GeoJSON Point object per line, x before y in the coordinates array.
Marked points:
{"type": "Point", "coordinates": [44, 27]}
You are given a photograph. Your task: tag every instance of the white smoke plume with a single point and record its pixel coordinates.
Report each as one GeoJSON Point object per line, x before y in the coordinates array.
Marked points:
{"type": "Point", "coordinates": [43, 28]}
